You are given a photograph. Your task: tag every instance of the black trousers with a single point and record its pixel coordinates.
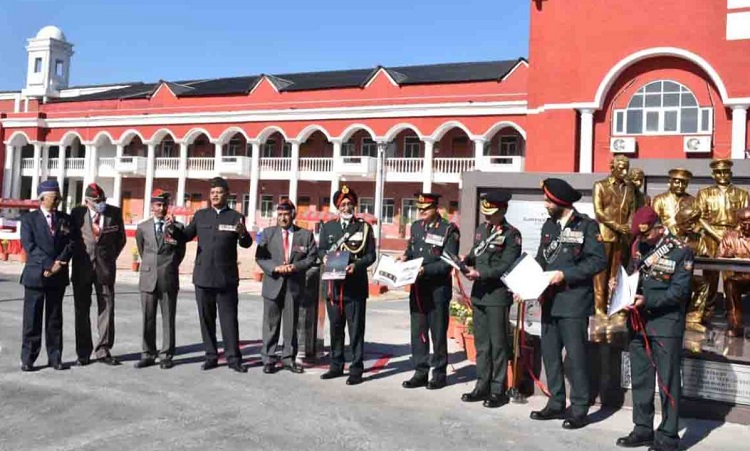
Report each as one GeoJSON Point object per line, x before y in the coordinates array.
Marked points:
{"type": "Point", "coordinates": [571, 334]}
{"type": "Point", "coordinates": [667, 355]}
{"type": "Point", "coordinates": [429, 320]}
{"type": "Point", "coordinates": [353, 317]}
{"type": "Point", "coordinates": [493, 347]}
{"type": "Point", "coordinates": [280, 316]}
{"type": "Point", "coordinates": [226, 300]}
{"type": "Point", "coordinates": [105, 302]}
{"type": "Point", "coordinates": [167, 303]}
{"type": "Point", "coordinates": [39, 304]}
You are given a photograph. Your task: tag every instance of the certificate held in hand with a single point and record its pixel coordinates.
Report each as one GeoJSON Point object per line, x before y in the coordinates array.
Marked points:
{"type": "Point", "coordinates": [526, 278]}
{"type": "Point", "coordinates": [335, 266]}
{"type": "Point", "coordinates": [623, 296]}
{"type": "Point", "coordinates": [396, 273]}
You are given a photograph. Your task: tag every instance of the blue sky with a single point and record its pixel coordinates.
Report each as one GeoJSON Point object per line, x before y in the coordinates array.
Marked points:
{"type": "Point", "coordinates": [139, 40]}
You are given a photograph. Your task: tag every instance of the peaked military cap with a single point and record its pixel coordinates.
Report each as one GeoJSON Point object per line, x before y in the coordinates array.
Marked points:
{"type": "Point", "coordinates": [427, 200]}
{"type": "Point", "coordinates": [493, 201]}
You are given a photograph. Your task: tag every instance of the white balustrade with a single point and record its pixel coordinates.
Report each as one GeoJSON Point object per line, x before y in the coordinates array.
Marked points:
{"type": "Point", "coordinates": [404, 165]}
{"type": "Point", "coordinates": [201, 164]}
{"type": "Point", "coordinates": [275, 165]}
{"type": "Point", "coordinates": [52, 164]}
{"type": "Point", "coordinates": [316, 164]}
{"type": "Point", "coordinates": [75, 164]}
{"type": "Point", "coordinates": [27, 163]}
{"type": "Point", "coordinates": [166, 164]}
{"type": "Point", "coordinates": [453, 165]}
{"type": "Point", "coordinates": [106, 163]}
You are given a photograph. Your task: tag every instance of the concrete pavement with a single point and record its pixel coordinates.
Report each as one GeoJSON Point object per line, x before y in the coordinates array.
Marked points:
{"type": "Point", "coordinates": [100, 407]}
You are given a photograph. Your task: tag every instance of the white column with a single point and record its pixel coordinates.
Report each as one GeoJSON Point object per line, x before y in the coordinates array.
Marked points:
{"type": "Point", "coordinates": [37, 169]}
{"type": "Point", "coordinates": [478, 153]}
{"type": "Point", "coordinates": [294, 178]}
{"type": "Point", "coordinates": [117, 188]}
{"type": "Point", "coordinates": [739, 131]}
{"type": "Point", "coordinates": [44, 170]}
{"type": "Point", "coordinates": [149, 187]}
{"type": "Point", "coordinates": [379, 188]}
{"type": "Point", "coordinates": [15, 186]}
{"type": "Point", "coordinates": [586, 146]}
{"type": "Point", "coordinates": [61, 173]}
{"type": "Point", "coordinates": [217, 152]}
{"type": "Point", "coordinates": [335, 173]}
{"type": "Point", "coordinates": [8, 177]}
{"type": "Point", "coordinates": [93, 150]}
{"type": "Point", "coordinates": [252, 204]}
{"type": "Point", "coordinates": [427, 168]}
{"type": "Point", "coordinates": [181, 175]}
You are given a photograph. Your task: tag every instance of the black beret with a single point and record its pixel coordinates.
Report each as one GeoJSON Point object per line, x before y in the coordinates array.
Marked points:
{"type": "Point", "coordinates": [218, 182]}
{"type": "Point", "coordinates": [560, 192]}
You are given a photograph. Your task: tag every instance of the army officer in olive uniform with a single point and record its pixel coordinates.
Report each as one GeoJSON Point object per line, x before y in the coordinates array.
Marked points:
{"type": "Point", "coordinates": [430, 295]}
{"type": "Point", "coordinates": [666, 267]}
{"type": "Point", "coordinates": [570, 248]}
{"type": "Point", "coordinates": [346, 298]}
{"type": "Point", "coordinates": [497, 245]}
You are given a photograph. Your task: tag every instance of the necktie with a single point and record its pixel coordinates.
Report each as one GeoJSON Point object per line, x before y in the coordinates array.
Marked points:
{"type": "Point", "coordinates": [286, 245]}
{"type": "Point", "coordinates": [51, 223]}
{"type": "Point", "coordinates": [95, 226]}
{"type": "Point", "coordinates": [344, 225]}
{"type": "Point", "coordinates": [159, 231]}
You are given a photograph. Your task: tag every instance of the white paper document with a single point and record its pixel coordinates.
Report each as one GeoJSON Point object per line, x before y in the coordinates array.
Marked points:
{"type": "Point", "coordinates": [395, 273]}
{"type": "Point", "coordinates": [624, 293]}
{"type": "Point", "coordinates": [527, 279]}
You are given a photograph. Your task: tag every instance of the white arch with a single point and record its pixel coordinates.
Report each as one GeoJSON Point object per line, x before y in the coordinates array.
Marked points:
{"type": "Point", "coordinates": [160, 134]}
{"type": "Point", "coordinates": [229, 133]}
{"type": "Point", "coordinates": [640, 55]}
{"type": "Point", "coordinates": [128, 136]}
{"type": "Point", "coordinates": [398, 128]}
{"type": "Point", "coordinates": [68, 138]}
{"type": "Point", "coordinates": [354, 128]}
{"type": "Point", "coordinates": [270, 130]}
{"type": "Point", "coordinates": [501, 125]}
{"type": "Point", "coordinates": [18, 138]}
{"type": "Point", "coordinates": [305, 134]}
{"type": "Point", "coordinates": [194, 133]}
{"type": "Point", "coordinates": [101, 136]}
{"type": "Point", "coordinates": [438, 134]}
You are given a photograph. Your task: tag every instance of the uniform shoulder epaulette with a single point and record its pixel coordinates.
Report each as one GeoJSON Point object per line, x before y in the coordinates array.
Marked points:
{"type": "Point", "coordinates": [360, 220]}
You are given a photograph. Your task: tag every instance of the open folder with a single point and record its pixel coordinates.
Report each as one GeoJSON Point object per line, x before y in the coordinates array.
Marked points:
{"type": "Point", "coordinates": [526, 278]}
{"type": "Point", "coordinates": [624, 293]}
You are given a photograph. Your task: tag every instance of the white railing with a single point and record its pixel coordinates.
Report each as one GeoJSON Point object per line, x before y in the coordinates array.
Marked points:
{"type": "Point", "coordinates": [316, 164]}
{"type": "Point", "coordinates": [452, 165]}
{"type": "Point", "coordinates": [404, 165]}
{"type": "Point", "coordinates": [52, 164]}
{"type": "Point", "coordinates": [201, 164]}
{"type": "Point", "coordinates": [27, 163]}
{"type": "Point", "coordinates": [75, 164]}
{"type": "Point", "coordinates": [166, 164]}
{"type": "Point", "coordinates": [275, 164]}
{"type": "Point", "coordinates": [107, 163]}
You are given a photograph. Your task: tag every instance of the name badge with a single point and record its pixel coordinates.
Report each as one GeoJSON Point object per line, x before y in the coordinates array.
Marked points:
{"type": "Point", "coordinates": [435, 240]}
{"type": "Point", "coordinates": [571, 236]}
{"type": "Point", "coordinates": [226, 228]}
{"type": "Point", "coordinates": [358, 236]}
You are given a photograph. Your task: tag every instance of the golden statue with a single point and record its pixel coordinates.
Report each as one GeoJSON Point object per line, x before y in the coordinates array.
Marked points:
{"type": "Point", "coordinates": [668, 204]}
{"type": "Point", "coordinates": [637, 178]}
{"type": "Point", "coordinates": [736, 244]}
{"type": "Point", "coordinates": [689, 230]}
{"type": "Point", "coordinates": [613, 205]}
{"type": "Point", "coordinates": [719, 205]}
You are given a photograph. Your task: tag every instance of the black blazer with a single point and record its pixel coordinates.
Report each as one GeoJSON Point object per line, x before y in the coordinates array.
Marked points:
{"type": "Point", "coordinates": [270, 254]}
{"type": "Point", "coordinates": [43, 249]}
{"type": "Point", "coordinates": [216, 257]}
{"type": "Point", "coordinates": [112, 240]}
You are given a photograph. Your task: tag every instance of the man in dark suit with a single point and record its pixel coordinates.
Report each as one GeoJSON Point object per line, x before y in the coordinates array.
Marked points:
{"type": "Point", "coordinates": [571, 248]}
{"type": "Point", "coordinates": [430, 295]}
{"type": "Point", "coordinates": [497, 245]}
{"type": "Point", "coordinates": [666, 268]}
{"type": "Point", "coordinates": [216, 275]}
{"type": "Point", "coordinates": [159, 280]}
{"type": "Point", "coordinates": [285, 253]}
{"type": "Point", "coordinates": [100, 234]}
{"type": "Point", "coordinates": [46, 236]}
{"type": "Point", "coordinates": [346, 298]}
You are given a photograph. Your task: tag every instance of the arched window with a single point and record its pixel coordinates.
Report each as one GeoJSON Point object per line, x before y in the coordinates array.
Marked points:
{"type": "Point", "coordinates": [663, 108]}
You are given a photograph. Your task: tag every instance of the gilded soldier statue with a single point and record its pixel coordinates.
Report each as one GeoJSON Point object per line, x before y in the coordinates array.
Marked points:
{"type": "Point", "coordinates": [637, 178]}
{"type": "Point", "coordinates": [613, 205]}
{"type": "Point", "coordinates": [736, 244]}
{"type": "Point", "coordinates": [719, 205]}
{"type": "Point", "coordinates": [689, 231]}
{"type": "Point", "coordinates": [668, 204]}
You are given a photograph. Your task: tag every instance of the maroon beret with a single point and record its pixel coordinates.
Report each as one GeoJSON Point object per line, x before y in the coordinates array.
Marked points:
{"type": "Point", "coordinates": [643, 220]}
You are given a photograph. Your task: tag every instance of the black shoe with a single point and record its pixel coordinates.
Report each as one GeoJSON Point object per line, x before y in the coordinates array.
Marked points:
{"type": "Point", "coordinates": [209, 365]}
{"type": "Point", "coordinates": [269, 368]}
{"type": "Point", "coordinates": [27, 367]}
{"type": "Point", "coordinates": [58, 366]}
{"type": "Point", "coordinates": [496, 400]}
{"type": "Point", "coordinates": [166, 364]}
{"type": "Point", "coordinates": [354, 379]}
{"type": "Point", "coordinates": [143, 363]}
{"type": "Point", "coordinates": [635, 441]}
{"type": "Point", "coordinates": [238, 367]}
{"type": "Point", "coordinates": [83, 361]}
{"type": "Point", "coordinates": [436, 384]}
{"type": "Point", "coordinates": [415, 382]}
{"type": "Point", "coordinates": [547, 414]}
{"type": "Point", "coordinates": [474, 396]}
{"type": "Point", "coordinates": [109, 360]}
{"type": "Point", "coordinates": [293, 367]}
{"type": "Point", "coordinates": [332, 374]}
{"type": "Point", "coordinates": [574, 423]}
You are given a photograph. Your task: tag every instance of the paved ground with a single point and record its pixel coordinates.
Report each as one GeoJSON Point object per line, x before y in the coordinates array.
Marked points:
{"type": "Point", "coordinates": [100, 407]}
